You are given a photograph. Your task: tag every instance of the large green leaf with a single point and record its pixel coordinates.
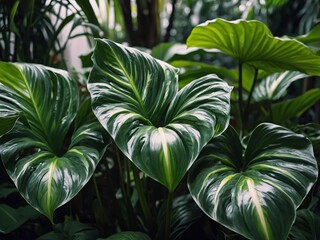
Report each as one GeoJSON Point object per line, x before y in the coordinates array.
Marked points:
{"type": "Point", "coordinates": [256, 191]}
{"type": "Point", "coordinates": [252, 42]}
{"type": "Point", "coordinates": [275, 86]}
{"type": "Point", "coordinates": [161, 130]}
{"type": "Point", "coordinates": [288, 109]}
{"type": "Point", "coordinates": [47, 170]}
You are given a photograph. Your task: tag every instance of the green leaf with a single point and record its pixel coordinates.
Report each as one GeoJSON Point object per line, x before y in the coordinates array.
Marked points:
{"type": "Point", "coordinates": [48, 99]}
{"type": "Point", "coordinates": [275, 86]}
{"type": "Point", "coordinates": [306, 226]}
{"type": "Point", "coordinates": [192, 70]}
{"type": "Point", "coordinates": [6, 189]}
{"type": "Point", "coordinates": [47, 170]}
{"type": "Point", "coordinates": [10, 219]}
{"type": "Point", "coordinates": [312, 38]}
{"type": "Point", "coordinates": [128, 236]}
{"type": "Point", "coordinates": [185, 212]}
{"type": "Point", "coordinates": [312, 132]}
{"type": "Point", "coordinates": [161, 130]}
{"type": "Point", "coordinates": [252, 42]}
{"type": "Point", "coordinates": [286, 110]}
{"type": "Point", "coordinates": [71, 230]}
{"type": "Point", "coordinates": [255, 191]}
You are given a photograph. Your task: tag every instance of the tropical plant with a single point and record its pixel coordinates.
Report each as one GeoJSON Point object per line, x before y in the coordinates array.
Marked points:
{"type": "Point", "coordinates": [162, 156]}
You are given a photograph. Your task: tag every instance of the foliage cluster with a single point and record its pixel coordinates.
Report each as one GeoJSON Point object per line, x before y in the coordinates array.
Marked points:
{"type": "Point", "coordinates": [218, 138]}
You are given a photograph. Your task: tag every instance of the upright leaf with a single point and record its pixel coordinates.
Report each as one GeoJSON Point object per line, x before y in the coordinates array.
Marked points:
{"type": "Point", "coordinates": [47, 171]}
{"type": "Point", "coordinates": [161, 130]}
{"type": "Point", "coordinates": [256, 191]}
{"type": "Point", "coordinates": [252, 42]}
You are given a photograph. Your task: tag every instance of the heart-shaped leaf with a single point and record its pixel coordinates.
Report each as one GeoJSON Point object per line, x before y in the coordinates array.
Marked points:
{"type": "Point", "coordinates": [47, 170]}
{"type": "Point", "coordinates": [161, 130]}
{"type": "Point", "coordinates": [252, 42]}
{"type": "Point", "coordinates": [254, 192]}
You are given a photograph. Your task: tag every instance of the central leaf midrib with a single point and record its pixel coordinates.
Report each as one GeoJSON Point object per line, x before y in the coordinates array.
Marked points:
{"type": "Point", "coordinates": [132, 84]}
{"type": "Point", "coordinates": [51, 170]}
{"type": "Point", "coordinates": [44, 130]}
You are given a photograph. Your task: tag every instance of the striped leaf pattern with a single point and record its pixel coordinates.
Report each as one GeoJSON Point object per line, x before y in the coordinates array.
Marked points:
{"type": "Point", "coordinates": [255, 191]}
{"type": "Point", "coordinates": [46, 169]}
{"type": "Point", "coordinates": [160, 129]}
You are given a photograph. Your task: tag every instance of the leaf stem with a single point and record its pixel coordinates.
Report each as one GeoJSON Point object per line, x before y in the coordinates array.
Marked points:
{"type": "Point", "coordinates": [123, 191]}
{"type": "Point", "coordinates": [142, 198]}
{"type": "Point", "coordinates": [256, 71]}
{"type": "Point", "coordinates": [168, 215]}
{"type": "Point", "coordinates": [240, 97]}
{"type": "Point", "coordinates": [99, 198]}
{"type": "Point", "coordinates": [121, 221]}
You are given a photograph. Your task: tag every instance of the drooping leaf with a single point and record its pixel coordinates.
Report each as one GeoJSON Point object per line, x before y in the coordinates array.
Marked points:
{"type": "Point", "coordinates": [161, 130]}
{"type": "Point", "coordinates": [255, 191]}
{"type": "Point", "coordinates": [71, 230]}
{"type": "Point", "coordinates": [46, 169]}
{"type": "Point", "coordinates": [288, 109]}
{"type": "Point", "coordinates": [128, 236]}
{"type": "Point", "coordinates": [306, 226]}
{"type": "Point", "coordinates": [275, 86]}
{"type": "Point", "coordinates": [252, 42]}
{"type": "Point", "coordinates": [312, 38]}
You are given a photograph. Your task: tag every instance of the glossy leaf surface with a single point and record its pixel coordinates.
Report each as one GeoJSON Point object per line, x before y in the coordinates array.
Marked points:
{"type": "Point", "coordinates": [275, 86]}
{"type": "Point", "coordinates": [161, 130]}
{"type": "Point", "coordinates": [46, 169]}
{"type": "Point", "coordinates": [252, 42]}
{"type": "Point", "coordinates": [247, 190]}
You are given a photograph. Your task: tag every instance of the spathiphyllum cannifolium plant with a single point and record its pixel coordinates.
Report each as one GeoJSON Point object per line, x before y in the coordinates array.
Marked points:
{"type": "Point", "coordinates": [251, 182]}
{"type": "Point", "coordinates": [160, 129]}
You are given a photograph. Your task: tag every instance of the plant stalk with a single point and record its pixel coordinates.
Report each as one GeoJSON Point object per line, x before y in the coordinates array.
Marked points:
{"type": "Point", "coordinates": [142, 198]}
{"type": "Point", "coordinates": [240, 100]}
{"type": "Point", "coordinates": [124, 192]}
{"type": "Point", "coordinates": [99, 198]}
{"type": "Point", "coordinates": [168, 215]}
{"type": "Point", "coordinates": [251, 90]}
{"type": "Point", "coordinates": [121, 221]}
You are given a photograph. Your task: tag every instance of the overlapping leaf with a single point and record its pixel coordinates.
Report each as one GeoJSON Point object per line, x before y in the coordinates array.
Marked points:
{"type": "Point", "coordinates": [252, 42]}
{"type": "Point", "coordinates": [275, 86]}
{"type": "Point", "coordinates": [136, 98]}
{"type": "Point", "coordinates": [255, 192]}
{"type": "Point", "coordinates": [47, 170]}
{"type": "Point", "coordinates": [291, 108]}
